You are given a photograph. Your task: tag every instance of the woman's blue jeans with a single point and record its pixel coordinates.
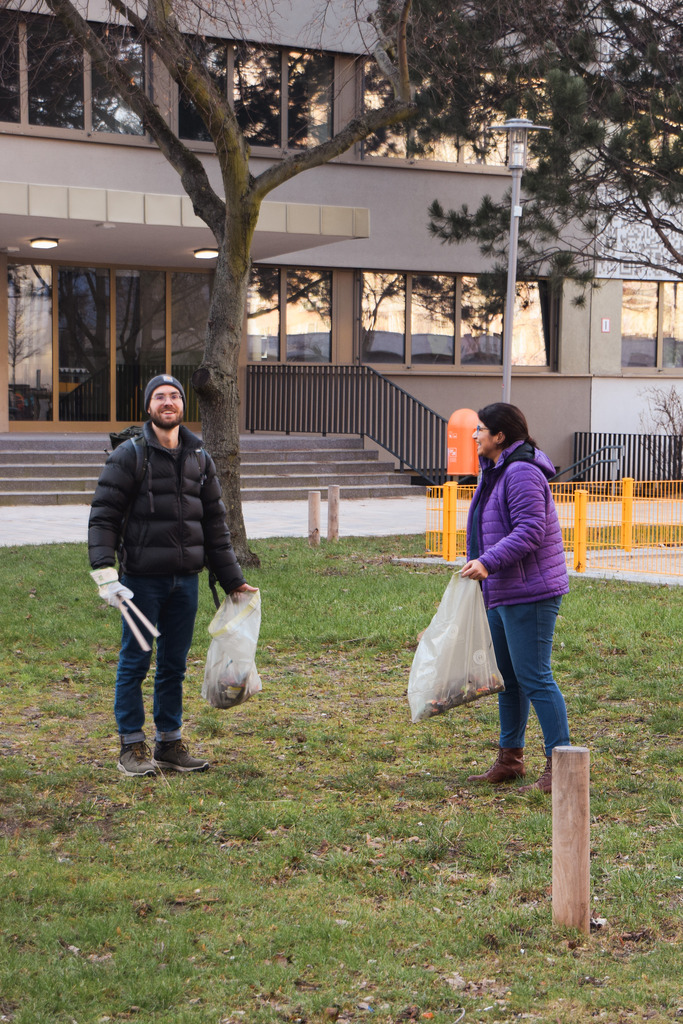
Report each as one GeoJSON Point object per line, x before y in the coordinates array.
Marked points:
{"type": "Point", "coordinates": [522, 640]}
{"type": "Point", "coordinates": [170, 602]}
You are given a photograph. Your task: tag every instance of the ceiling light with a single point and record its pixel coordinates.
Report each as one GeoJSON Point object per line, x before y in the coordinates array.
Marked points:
{"type": "Point", "coordinates": [205, 254]}
{"type": "Point", "coordinates": [44, 243]}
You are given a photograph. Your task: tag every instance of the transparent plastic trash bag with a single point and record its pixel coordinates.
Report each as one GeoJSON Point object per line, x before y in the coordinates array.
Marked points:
{"type": "Point", "coordinates": [454, 662]}
{"type": "Point", "coordinates": [230, 675]}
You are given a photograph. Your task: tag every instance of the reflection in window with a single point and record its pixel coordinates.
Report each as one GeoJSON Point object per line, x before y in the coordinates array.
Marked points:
{"type": "Point", "coordinates": [9, 71]}
{"type": "Point", "coordinates": [639, 323]}
{"type": "Point", "coordinates": [263, 315]}
{"type": "Point", "coordinates": [383, 318]}
{"type": "Point", "coordinates": [672, 323]}
{"type": "Point", "coordinates": [432, 318]}
{"type": "Point", "coordinates": [190, 300]}
{"type": "Point", "coordinates": [481, 332]}
{"type": "Point", "coordinates": [83, 323]}
{"type": "Point", "coordinates": [29, 342]}
{"type": "Point", "coordinates": [377, 92]}
{"type": "Point", "coordinates": [531, 325]}
{"type": "Point", "coordinates": [257, 91]}
{"type": "Point", "coordinates": [109, 112]}
{"type": "Point", "coordinates": [213, 54]}
{"type": "Point", "coordinates": [55, 76]}
{"type": "Point", "coordinates": [140, 337]}
{"type": "Point", "coordinates": [310, 98]}
{"type": "Point", "coordinates": [309, 316]}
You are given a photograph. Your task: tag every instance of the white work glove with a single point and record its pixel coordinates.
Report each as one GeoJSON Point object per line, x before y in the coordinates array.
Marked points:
{"type": "Point", "coordinates": [110, 587]}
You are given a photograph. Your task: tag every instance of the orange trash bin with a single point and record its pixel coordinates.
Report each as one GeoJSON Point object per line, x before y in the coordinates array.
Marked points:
{"type": "Point", "coordinates": [461, 445]}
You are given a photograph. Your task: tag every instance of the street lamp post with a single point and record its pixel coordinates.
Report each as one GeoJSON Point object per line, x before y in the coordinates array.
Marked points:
{"type": "Point", "coordinates": [518, 128]}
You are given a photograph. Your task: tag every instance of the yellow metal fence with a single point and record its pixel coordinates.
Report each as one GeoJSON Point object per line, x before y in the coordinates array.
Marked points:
{"type": "Point", "coordinates": [626, 525]}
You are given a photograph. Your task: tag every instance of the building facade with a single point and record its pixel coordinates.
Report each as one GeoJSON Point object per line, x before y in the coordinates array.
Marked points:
{"type": "Point", "coordinates": [345, 271]}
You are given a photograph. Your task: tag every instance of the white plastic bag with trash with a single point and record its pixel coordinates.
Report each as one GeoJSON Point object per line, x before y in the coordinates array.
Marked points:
{"type": "Point", "coordinates": [454, 662]}
{"type": "Point", "coordinates": [230, 676]}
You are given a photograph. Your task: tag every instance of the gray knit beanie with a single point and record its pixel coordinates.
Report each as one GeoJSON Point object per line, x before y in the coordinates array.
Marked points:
{"type": "Point", "coordinates": [158, 382]}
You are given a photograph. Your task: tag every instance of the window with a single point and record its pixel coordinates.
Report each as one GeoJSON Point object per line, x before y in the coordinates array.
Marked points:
{"type": "Point", "coordinates": [30, 342]}
{"type": "Point", "coordinates": [83, 325]}
{"type": "Point", "coordinates": [190, 300]}
{"type": "Point", "coordinates": [432, 319]}
{"type": "Point", "coordinates": [55, 76]}
{"type": "Point", "coordinates": [309, 115]}
{"type": "Point", "coordinates": [309, 316]}
{"type": "Point", "coordinates": [263, 315]}
{"type": "Point", "coordinates": [639, 323]}
{"type": "Point", "coordinates": [257, 94]}
{"type": "Point", "coordinates": [140, 337]}
{"type": "Point", "coordinates": [383, 318]}
{"type": "Point", "coordinates": [9, 71]}
{"type": "Point", "coordinates": [213, 53]}
{"type": "Point", "coordinates": [652, 324]}
{"type": "Point", "coordinates": [481, 332]}
{"type": "Point", "coordinates": [109, 112]}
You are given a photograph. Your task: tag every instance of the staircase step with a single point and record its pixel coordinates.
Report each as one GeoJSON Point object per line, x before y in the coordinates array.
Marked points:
{"type": "Point", "coordinates": [57, 470]}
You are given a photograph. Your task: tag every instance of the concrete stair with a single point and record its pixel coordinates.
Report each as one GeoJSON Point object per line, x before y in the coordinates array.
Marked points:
{"type": "Point", "coordinates": [41, 469]}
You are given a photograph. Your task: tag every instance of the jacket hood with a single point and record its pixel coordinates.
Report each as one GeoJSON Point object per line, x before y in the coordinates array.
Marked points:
{"type": "Point", "coordinates": [520, 451]}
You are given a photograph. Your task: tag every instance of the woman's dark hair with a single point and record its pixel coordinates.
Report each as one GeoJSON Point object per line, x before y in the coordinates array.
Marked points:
{"type": "Point", "coordinates": [506, 419]}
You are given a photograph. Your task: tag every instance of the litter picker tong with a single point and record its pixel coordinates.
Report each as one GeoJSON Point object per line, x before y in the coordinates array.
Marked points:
{"type": "Point", "coordinates": [126, 606]}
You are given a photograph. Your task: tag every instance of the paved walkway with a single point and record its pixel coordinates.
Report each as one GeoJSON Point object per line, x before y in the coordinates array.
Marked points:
{"type": "Point", "coordinates": [377, 517]}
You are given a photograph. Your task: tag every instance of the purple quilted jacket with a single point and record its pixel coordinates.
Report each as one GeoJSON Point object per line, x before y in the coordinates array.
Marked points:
{"type": "Point", "coordinates": [518, 532]}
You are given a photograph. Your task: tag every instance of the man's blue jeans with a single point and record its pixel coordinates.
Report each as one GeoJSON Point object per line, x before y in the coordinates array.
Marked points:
{"type": "Point", "coordinates": [170, 602]}
{"type": "Point", "coordinates": [522, 640]}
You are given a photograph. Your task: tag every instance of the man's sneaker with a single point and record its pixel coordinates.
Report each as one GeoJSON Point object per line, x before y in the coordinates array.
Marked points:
{"type": "Point", "coordinates": [136, 759]}
{"type": "Point", "coordinates": [175, 755]}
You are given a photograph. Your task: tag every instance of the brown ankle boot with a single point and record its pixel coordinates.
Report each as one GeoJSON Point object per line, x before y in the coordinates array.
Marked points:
{"type": "Point", "coordinates": [508, 765]}
{"type": "Point", "coordinates": [545, 782]}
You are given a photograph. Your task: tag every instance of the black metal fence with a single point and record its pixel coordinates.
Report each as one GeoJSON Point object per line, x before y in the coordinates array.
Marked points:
{"type": "Point", "coordinates": [348, 400]}
{"type": "Point", "coordinates": [643, 457]}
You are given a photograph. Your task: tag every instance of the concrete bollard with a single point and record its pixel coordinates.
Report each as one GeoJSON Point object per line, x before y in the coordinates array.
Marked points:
{"type": "Point", "coordinates": [571, 837]}
{"type": "Point", "coordinates": [314, 518]}
{"type": "Point", "coordinates": [333, 512]}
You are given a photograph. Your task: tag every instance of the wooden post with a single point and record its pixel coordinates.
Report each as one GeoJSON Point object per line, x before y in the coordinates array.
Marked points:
{"type": "Point", "coordinates": [314, 518]}
{"type": "Point", "coordinates": [333, 512]}
{"type": "Point", "coordinates": [571, 837]}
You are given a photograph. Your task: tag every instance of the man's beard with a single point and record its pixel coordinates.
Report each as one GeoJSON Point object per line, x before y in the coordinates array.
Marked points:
{"type": "Point", "coordinates": [166, 424]}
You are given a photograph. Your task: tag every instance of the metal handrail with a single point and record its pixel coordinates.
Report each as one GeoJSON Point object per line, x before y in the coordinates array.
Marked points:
{"type": "Point", "coordinates": [592, 462]}
{"type": "Point", "coordinates": [348, 399]}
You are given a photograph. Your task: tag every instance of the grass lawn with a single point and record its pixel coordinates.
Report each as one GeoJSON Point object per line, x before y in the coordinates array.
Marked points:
{"type": "Point", "coordinates": [334, 864]}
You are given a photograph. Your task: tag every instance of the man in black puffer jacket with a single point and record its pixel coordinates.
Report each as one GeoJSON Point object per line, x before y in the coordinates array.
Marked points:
{"type": "Point", "coordinates": [173, 522]}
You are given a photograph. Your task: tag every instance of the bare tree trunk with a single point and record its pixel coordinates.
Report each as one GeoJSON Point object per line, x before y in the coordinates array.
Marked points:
{"type": "Point", "coordinates": [216, 384]}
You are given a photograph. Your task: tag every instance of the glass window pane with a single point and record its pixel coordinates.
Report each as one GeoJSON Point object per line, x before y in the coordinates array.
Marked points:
{"type": "Point", "coordinates": [639, 323]}
{"type": "Point", "coordinates": [55, 76]}
{"type": "Point", "coordinates": [257, 91]}
{"type": "Point", "coordinates": [530, 328]}
{"type": "Point", "coordinates": [9, 70]}
{"type": "Point", "coordinates": [310, 98]}
{"type": "Point", "coordinates": [309, 316]}
{"type": "Point", "coordinates": [481, 331]}
{"type": "Point", "coordinates": [30, 342]}
{"type": "Point", "coordinates": [672, 323]}
{"type": "Point", "coordinates": [432, 319]}
{"type": "Point", "coordinates": [213, 53]}
{"type": "Point", "coordinates": [383, 318]}
{"type": "Point", "coordinates": [140, 338]}
{"type": "Point", "coordinates": [190, 300]}
{"type": "Point", "coordinates": [263, 315]}
{"type": "Point", "coordinates": [109, 112]}
{"type": "Point", "coordinates": [83, 319]}
{"type": "Point", "coordinates": [377, 92]}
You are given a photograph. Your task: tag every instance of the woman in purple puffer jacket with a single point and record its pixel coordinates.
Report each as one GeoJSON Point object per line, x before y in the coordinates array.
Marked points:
{"type": "Point", "coordinates": [515, 549]}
